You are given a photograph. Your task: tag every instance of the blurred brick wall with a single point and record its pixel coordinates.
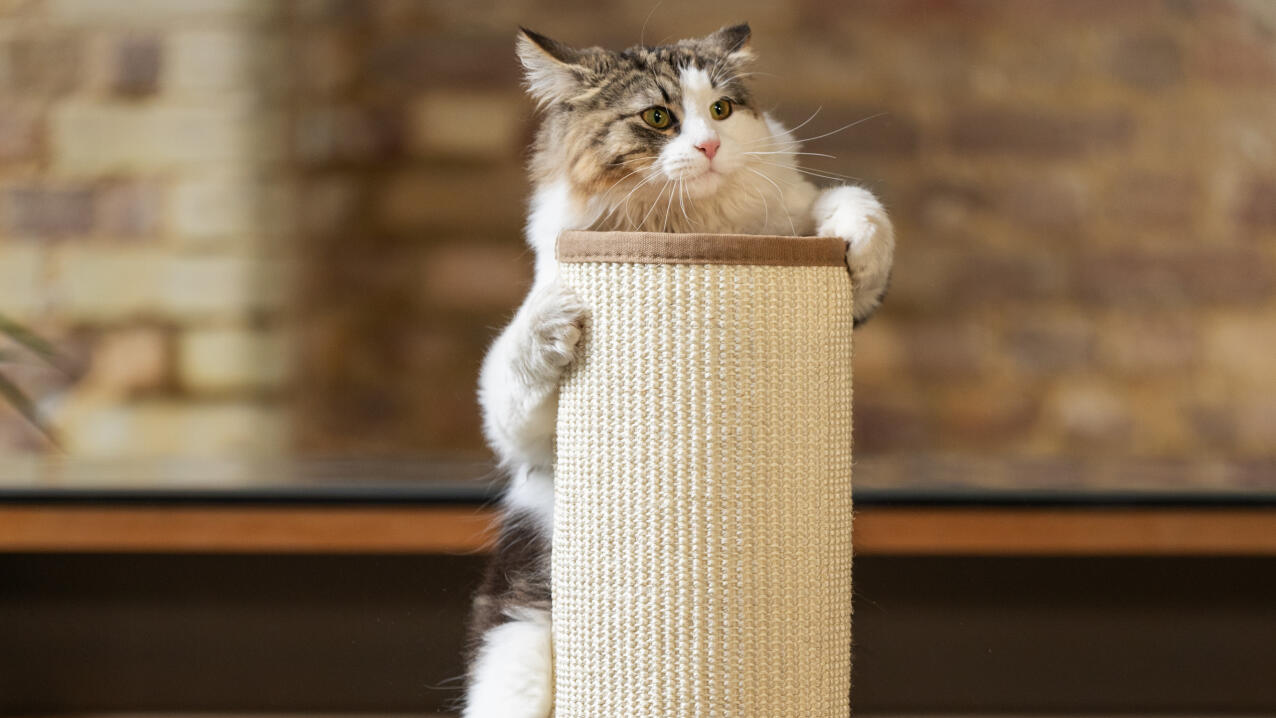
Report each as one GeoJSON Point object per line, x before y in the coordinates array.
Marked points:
{"type": "Point", "coordinates": [142, 211]}
{"type": "Point", "coordinates": [1084, 192]}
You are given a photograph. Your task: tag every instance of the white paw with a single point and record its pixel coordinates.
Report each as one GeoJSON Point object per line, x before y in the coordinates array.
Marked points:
{"type": "Point", "coordinates": [855, 215]}
{"type": "Point", "coordinates": [513, 675]}
{"type": "Point", "coordinates": [557, 319]}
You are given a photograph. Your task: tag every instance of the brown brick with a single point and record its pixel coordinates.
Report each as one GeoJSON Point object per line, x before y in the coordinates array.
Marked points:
{"type": "Point", "coordinates": [129, 361]}
{"type": "Point", "coordinates": [973, 417]}
{"type": "Point", "coordinates": [890, 423]}
{"type": "Point", "coordinates": [989, 278]}
{"type": "Point", "coordinates": [136, 66]}
{"type": "Point", "coordinates": [1054, 345]}
{"type": "Point", "coordinates": [877, 131]}
{"type": "Point", "coordinates": [1045, 204]}
{"type": "Point", "coordinates": [1178, 279]}
{"type": "Point", "coordinates": [333, 205]}
{"type": "Point", "coordinates": [49, 212]}
{"type": "Point", "coordinates": [1239, 348]}
{"type": "Point", "coordinates": [129, 209]}
{"type": "Point", "coordinates": [1256, 425]}
{"type": "Point", "coordinates": [1091, 414]}
{"type": "Point", "coordinates": [1235, 59]}
{"type": "Point", "coordinates": [1147, 62]}
{"type": "Point", "coordinates": [1258, 204]}
{"type": "Point", "coordinates": [1142, 345]}
{"type": "Point", "coordinates": [468, 199]}
{"type": "Point", "coordinates": [941, 349]}
{"type": "Point", "coordinates": [1214, 426]}
{"type": "Point", "coordinates": [321, 11]}
{"type": "Point", "coordinates": [19, 132]}
{"type": "Point", "coordinates": [476, 277]}
{"type": "Point", "coordinates": [1154, 199]}
{"type": "Point", "coordinates": [332, 58]}
{"type": "Point", "coordinates": [345, 135]}
{"type": "Point", "coordinates": [1038, 133]}
{"type": "Point", "coordinates": [44, 64]}
{"type": "Point", "coordinates": [451, 60]}
{"type": "Point", "coordinates": [946, 205]}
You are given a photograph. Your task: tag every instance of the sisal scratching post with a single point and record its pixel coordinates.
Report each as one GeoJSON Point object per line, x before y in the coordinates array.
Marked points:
{"type": "Point", "coordinates": [702, 537]}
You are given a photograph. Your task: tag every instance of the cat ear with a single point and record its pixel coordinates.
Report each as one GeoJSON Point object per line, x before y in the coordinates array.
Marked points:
{"type": "Point", "coordinates": [734, 41]}
{"type": "Point", "coordinates": [555, 71]}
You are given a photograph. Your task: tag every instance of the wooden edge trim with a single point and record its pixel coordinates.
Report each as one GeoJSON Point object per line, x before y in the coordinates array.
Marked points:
{"type": "Point", "coordinates": [449, 530]}
{"type": "Point", "coordinates": [465, 530]}
{"type": "Point", "coordinates": [670, 248]}
{"type": "Point", "coordinates": [1066, 532]}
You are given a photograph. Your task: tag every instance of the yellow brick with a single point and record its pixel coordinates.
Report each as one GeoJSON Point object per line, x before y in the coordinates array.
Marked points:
{"type": "Point", "coordinates": [106, 283]}
{"type": "Point", "coordinates": [142, 12]}
{"type": "Point", "coordinates": [1241, 348]}
{"type": "Point", "coordinates": [211, 206]}
{"type": "Point", "coordinates": [21, 281]}
{"type": "Point", "coordinates": [217, 360]}
{"type": "Point", "coordinates": [221, 59]}
{"type": "Point", "coordinates": [211, 286]}
{"type": "Point", "coordinates": [21, 469]}
{"type": "Point", "coordinates": [174, 429]}
{"type": "Point", "coordinates": [90, 138]}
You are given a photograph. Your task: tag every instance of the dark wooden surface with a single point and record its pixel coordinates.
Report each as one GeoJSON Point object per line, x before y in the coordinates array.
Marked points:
{"type": "Point", "coordinates": [381, 633]}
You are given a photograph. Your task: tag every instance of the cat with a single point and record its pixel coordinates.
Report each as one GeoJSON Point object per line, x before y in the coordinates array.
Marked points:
{"type": "Point", "coordinates": [665, 139]}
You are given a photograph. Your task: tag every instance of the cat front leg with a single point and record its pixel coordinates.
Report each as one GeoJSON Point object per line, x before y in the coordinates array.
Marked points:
{"type": "Point", "coordinates": [518, 385]}
{"type": "Point", "coordinates": [512, 675]}
{"type": "Point", "coordinates": [510, 672]}
{"type": "Point", "coordinates": [855, 215]}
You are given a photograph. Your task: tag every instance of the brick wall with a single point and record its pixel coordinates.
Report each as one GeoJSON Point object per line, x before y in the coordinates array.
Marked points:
{"type": "Point", "coordinates": [1084, 193]}
{"type": "Point", "coordinates": [142, 218]}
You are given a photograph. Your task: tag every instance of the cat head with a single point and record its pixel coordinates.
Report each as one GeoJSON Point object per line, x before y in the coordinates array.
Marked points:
{"type": "Point", "coordinates": [645, 118]}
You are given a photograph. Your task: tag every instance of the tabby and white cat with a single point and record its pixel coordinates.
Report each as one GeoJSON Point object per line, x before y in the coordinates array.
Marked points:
{"type": "Point", "coordinates": [665, 139]}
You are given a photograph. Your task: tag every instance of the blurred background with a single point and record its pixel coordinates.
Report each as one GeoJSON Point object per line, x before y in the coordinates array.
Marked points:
{"type": "Point", "coordinates": [268, 241]}
{"type": "Point", "coordinates": [263, 230]}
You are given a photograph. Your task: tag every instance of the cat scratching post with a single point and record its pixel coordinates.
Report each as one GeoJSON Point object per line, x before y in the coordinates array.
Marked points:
{"type": "Point", "coordinates": [702, 537]}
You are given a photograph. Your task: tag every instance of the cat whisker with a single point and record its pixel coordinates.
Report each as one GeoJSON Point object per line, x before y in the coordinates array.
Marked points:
{"type": "Point", "coordinates": [629, 162]}
{"type": "Point", "coordinates": [823, 174]}
{"type": "Point", "coordinates": [766, 210]}
{"type": "Point", "coordinates": [654, 203]}
{"type": "Point", "coordinates": [834, 132]}
{"type": "Point", "coordinates": [646, 180]}
{"type": "Point", "coordinates": [681, 204]}
{"type": "Point", "coordinates": [804, 123]}
{"type": "Point", "coordinates": [783, 204]}
{"type": "Point", "coordinates": [787, 152]}
{"type": "Point", "coordinates": [664, 226]}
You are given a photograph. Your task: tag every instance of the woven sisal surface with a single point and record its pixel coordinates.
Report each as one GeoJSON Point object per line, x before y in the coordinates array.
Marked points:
{"type": "Point", "coordinates": [702, 541]}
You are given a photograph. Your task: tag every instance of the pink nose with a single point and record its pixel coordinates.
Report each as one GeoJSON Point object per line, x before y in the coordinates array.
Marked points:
{"type": "Point", "coordinates": [709, 147]}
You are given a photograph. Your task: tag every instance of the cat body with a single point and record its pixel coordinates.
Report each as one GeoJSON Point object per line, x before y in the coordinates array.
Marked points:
{"type": "Point", "coordinates": [663, 139]}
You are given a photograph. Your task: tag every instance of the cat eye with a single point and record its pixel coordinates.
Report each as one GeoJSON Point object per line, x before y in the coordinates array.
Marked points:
{"type": "Point", "coordinates": [721, 109]}
{"type": "Point", "coordinates": [658, 117]}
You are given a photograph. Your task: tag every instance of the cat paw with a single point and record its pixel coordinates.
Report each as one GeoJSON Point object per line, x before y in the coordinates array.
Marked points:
{"type": "Point", "coordinates": [855, 215]}
{"type": "Point", "coordinates": [557, 320]}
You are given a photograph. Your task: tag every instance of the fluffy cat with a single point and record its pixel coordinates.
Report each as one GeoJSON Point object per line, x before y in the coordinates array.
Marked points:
{"type": "Point", "coordinates": [655, 138]}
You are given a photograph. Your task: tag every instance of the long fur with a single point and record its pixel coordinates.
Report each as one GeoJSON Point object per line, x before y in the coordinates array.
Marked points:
{"type": "Point", "coordinates": [598, 165]}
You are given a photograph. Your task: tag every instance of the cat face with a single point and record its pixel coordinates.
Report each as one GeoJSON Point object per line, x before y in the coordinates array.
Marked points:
{"type": "Point", "coordinates": [644, 120]}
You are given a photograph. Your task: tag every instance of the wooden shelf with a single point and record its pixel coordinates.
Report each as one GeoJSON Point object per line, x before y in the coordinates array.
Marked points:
{"type": "Point", "coordinates": [879, 530]}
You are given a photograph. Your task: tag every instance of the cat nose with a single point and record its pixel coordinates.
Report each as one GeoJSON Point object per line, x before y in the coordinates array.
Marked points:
{"type": "Point", "coordinates": [709, 147]}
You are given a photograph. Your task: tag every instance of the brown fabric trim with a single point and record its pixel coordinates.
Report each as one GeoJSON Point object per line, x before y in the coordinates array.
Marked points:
{"type": "Point", "coordinates": [668, 248]}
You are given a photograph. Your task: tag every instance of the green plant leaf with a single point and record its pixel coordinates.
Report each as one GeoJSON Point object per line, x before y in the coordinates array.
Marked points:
{"type": "Point", "coordinates": [28, 339]}
{"type": "Point", "coordinates": [23, 405]}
